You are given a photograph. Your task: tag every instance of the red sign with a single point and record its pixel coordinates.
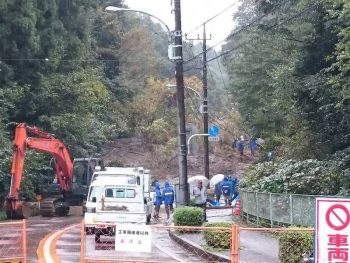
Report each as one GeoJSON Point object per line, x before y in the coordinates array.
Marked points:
{"type": "Point", "coordinates": [332, 230]}
{"type": "Point", "coordinates": [340, 219]}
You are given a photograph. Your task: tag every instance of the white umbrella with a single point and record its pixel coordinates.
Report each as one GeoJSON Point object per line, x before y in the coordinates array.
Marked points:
{"type": "Point", "coordinates": [216, 179]}
{"type": "Point", "coordinates": [197, 178]}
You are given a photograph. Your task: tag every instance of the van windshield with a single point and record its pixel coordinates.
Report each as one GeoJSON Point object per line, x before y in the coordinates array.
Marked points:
{"type": "Point", "coordinates": [119, 192]}
{"type": "Point", "coordinates": [94, 191]}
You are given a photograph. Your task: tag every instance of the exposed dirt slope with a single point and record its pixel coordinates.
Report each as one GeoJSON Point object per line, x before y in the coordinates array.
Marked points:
{"type": "Point", "coordinates": [135, 151]}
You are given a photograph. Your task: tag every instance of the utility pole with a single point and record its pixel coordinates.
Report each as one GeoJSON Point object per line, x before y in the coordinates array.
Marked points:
{"type": "Point", "coordinates": [182, 152]}
{"type": "Point", "coordinates": [205, 100]}
{"type": "Point", "coordinates": [205, 105]}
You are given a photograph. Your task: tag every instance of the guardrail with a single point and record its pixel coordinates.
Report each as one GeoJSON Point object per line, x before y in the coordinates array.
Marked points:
{"type": "Point", "coordinates": [13, 244]}
{"type": "Point", "coordinates": [278, 209]}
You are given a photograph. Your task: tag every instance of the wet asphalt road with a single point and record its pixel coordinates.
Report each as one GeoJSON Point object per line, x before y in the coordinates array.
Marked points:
{"type": "Point", "coordinates": [253, 245]}
{"type": "Point", "coordinates": [163, 249]}
{"type": "Point", "coordinates": [38, 227]}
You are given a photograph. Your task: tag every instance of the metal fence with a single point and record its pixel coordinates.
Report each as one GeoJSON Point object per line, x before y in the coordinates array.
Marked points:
{"type": "Point", "coordinates": [13, 246]}
{"type": "Point", "coordinates": [275, 245]}
{"type": "Point", "coordinates": [278, 209]}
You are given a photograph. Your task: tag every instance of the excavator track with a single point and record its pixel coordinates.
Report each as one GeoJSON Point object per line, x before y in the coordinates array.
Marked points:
{"type": "Point", "coordinates": [50, 207]}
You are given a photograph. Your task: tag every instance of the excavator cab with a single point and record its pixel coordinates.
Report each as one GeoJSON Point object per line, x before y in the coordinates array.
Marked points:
{"type": "Point", "coordinates": [82, 173]}
{"type": "Point", "coordinates": [83, 169]}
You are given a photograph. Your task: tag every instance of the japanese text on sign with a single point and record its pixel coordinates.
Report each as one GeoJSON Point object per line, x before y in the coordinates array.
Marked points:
{"type": "Point", "coordinates": [332, 230]}
{"type": "Point", "coordinates": [131, 237]}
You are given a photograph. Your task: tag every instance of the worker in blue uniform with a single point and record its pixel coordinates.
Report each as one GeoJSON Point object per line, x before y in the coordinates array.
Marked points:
{"type": "Point", "coordinates": [168, 198]}
{"type": "Point", "coordinates": [157, 201]}
{"type": "Point", "coordinates": [226, 190]}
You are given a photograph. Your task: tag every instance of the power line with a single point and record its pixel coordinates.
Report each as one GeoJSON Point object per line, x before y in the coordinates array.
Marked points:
{"type": "Point", "coordinates": [222, 75]}
{"type": "Point", "coordinates": [48, 60]}
{"type": "Point", "coordinates": [191, 53]}
{"type": "Point", "coordinates": [239, 30]}
{"type": "Point", "coordinates": [215, 16]}
{"type": "Point", "coordinates": [213, 116]}
{"type": "Point", "coordinates": [268, 29]}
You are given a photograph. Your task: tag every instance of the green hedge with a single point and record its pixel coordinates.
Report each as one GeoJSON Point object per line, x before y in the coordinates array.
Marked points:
{"type": "Point", "coordinates": [218, 239]}
{"type": "Point", "coordinates": [2, 216]}
{"type": "Point", "coordinates": [188, 216]}
{"type": "Point", "coordinates": [292, 245]}
{"type": "Point", "coordinates": [192, 202]}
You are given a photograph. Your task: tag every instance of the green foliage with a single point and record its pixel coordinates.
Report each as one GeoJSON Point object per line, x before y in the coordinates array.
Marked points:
{"type": "Point", "coordinates": [218, 238]}
{"type": "Point", "coordinates": [298, 177]}
{"type": "Point", "coordinates": [188, 216]}
{"type": "Point", "coordinates": [37, 175]}
{"type": "Point", "coordinates": [60, 70]}
{"type": "Point", "coordinates": [192, 202]}
{"type": "Point", "coordinates": [158, 132]}
{"type": "Point", "coordinates": [292, 245]}
{"type": "Point", "coordinates": [170, 147]}
{"type": "Point", "coordinates": [289, 74]}
{"type": "Point", "coordinates": [5, 156]}
{"type": "Point", "coordinates": [2, 216]}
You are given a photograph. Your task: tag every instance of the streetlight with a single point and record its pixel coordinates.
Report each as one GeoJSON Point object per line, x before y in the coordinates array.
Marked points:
{"type": "Point", "coordinates": [120, 9]}
{"type": "Point", "coordinates": [174, 54]}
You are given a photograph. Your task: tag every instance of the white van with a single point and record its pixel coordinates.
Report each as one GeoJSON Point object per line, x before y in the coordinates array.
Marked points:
{"type": "Point", "coordinates": [116, 195]}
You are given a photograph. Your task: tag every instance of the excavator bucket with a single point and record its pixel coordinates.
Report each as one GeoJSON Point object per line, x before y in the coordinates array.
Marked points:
{"type": "Point", "coordinates": [16, 209]}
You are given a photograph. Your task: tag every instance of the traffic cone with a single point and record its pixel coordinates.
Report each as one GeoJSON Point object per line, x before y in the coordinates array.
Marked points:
{"type": "Point", "coordinates": [238, 208]}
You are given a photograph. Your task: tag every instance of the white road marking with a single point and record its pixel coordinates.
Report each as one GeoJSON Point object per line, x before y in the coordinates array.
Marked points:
{"type": "Point", "coordinates": [47, 254]}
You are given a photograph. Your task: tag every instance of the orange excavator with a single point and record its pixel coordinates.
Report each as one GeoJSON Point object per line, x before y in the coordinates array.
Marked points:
{"type": "Point", "coordinates": [72, 177]}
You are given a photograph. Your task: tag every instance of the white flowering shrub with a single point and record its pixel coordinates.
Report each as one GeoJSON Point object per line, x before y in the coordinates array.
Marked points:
{"type": "Point", "coordinates": [311, 176]}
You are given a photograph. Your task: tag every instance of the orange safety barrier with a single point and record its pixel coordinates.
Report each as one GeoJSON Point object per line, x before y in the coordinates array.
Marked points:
{"type": "Point", "coordinates": [237, 208]}
{"type": "Point", "coordinates": [235, 244]}
{"type": "Point", "coordinates": [243, 243]}
{"type": "Point", "coordinates": [13, 242]}
{"type": "Point", "coordinates": [107, 243]}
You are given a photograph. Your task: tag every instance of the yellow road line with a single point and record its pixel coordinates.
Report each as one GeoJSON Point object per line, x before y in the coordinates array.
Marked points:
{"type": "Point", "coordinates": [47, 247]}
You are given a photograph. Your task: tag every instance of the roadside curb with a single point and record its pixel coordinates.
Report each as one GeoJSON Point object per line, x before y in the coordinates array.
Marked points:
{"type": "Point", "coordinates": [220, 207]}
{"type": "Point", "coordinates": [191, 246]}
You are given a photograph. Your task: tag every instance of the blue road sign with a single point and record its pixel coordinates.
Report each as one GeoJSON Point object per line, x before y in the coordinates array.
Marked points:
{"type": "Point", "coordinates": [214, 131]}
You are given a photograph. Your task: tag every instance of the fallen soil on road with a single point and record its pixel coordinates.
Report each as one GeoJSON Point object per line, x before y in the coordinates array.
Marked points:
{"type": "Point", "coordinates": [135, 151]}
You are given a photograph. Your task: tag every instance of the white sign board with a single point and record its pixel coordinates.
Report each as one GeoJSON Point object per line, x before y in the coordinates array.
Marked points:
{"type": "Point", "coordinates": [213, 139]}
{"type": "Point", "coordinates": [332, 230]}
{"type": "Point", "coordinates": [131, 237]}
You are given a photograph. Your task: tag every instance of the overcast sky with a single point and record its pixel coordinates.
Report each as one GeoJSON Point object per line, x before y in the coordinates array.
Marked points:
{"type": "Point", "coordinates": [194, 12]}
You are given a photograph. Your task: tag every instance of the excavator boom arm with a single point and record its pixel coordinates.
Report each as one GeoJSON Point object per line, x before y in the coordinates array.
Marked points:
{"type": "Point", "coordinates": [47, 143]}
{"type": "Point", "coordinates": [19, 152]}
{"type": "Point", "coordinates": [63, 165]}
